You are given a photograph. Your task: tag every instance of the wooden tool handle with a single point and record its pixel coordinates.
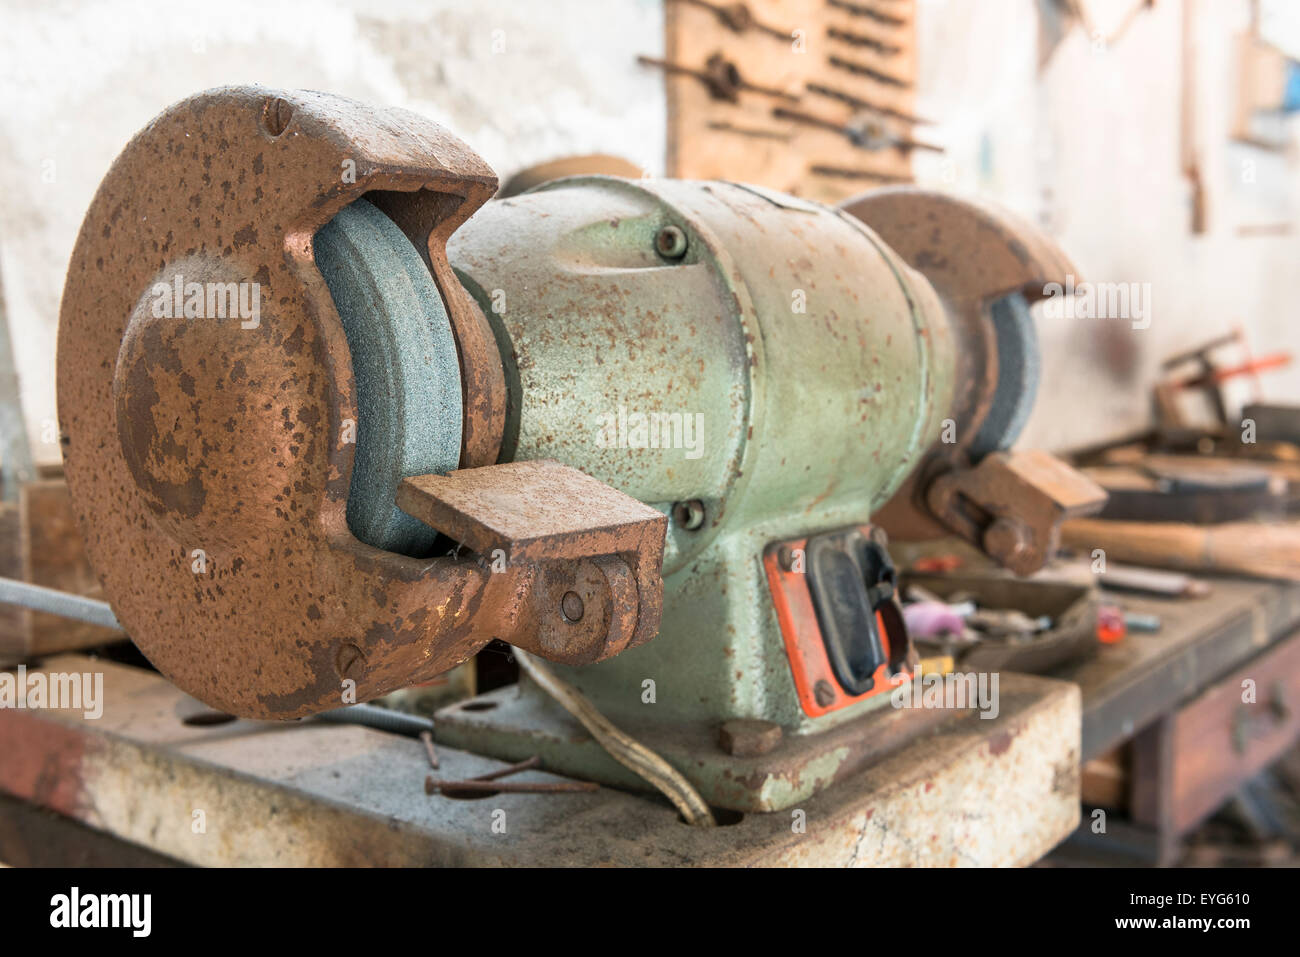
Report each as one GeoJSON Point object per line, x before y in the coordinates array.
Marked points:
{"type": "Point", "coordinates": [1247, 548]}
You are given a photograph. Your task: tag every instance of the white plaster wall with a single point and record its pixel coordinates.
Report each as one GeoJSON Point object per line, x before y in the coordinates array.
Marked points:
{"type": "Point", "coordinates": [521, 82]}
{"type": "Point", "coordinates": [1092, 153]}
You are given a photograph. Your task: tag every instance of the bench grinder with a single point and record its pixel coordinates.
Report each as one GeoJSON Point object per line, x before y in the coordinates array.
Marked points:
{"type": "Point", "coordinates": [333, 421]}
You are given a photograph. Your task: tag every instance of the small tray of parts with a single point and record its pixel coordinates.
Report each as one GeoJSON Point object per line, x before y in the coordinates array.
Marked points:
{"type": "Point", "coordinates": [1010, 623]}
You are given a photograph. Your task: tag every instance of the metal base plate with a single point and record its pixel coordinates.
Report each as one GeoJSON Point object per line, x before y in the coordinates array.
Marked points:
{"type": "Point", "coordinates": [517, 722]}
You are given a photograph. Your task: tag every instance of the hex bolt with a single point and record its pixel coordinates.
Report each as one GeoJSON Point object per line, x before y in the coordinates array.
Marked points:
{"type": "Point", "coordinates": [571, 606]}
{"type": "Point", "coordinates": [689, 515]}
{"type": "Point", "coordinates": [748, 737]}
{"type": "Point", "coordinates": [276, 115]}
{"type": "Point", "coordinates": [824, 693]}
{"type": "Point", "coordinates": [671, 243]}
{"type": "Point", "coordinates": [1007, 540]}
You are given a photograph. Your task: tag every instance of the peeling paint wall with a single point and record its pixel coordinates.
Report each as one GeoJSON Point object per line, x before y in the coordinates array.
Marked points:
{"type": "Point", "coordinates": [521, 82]}
{"type": "Point", "coordinates": [1089, 149]}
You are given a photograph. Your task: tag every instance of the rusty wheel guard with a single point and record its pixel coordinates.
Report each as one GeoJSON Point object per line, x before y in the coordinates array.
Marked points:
{"type": "Point", "coordinates": [209, 458]}
{"type": "Point", "coordinates": [1009, 503]}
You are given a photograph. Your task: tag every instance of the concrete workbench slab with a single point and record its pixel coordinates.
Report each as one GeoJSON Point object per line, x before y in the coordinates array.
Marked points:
{"type": "Point", "coordinates": [976, 792]}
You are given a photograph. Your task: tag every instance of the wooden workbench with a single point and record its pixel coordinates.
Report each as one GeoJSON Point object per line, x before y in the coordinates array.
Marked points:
{"type": "Point", "coordinates": [1175, 697]}
{"type": "Point", "coordinates": [1129, 685]}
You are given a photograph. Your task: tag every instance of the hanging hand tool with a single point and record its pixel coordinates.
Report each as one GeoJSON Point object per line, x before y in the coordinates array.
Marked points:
{"type": "Point", "coordinates": [858, 103]}
{"type": "Point", "coordinates": [870, 72]}
{"type": "Point", "coordinates": [862, 131]}
{"type": "Point", "coordinates": [865, 40]}
{"type": "Point", "coordinates": [738, 18]}
{"type": "Point", "coordinates": [869, 11]}
{"type": "Point", "coordinates": [720, 75]}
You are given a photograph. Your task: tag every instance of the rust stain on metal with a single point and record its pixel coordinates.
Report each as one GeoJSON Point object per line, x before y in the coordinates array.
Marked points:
{"type": "Point", "coordinates": [1021, 498]}
{"type": "Point", "coordinates": [536, 509]}
{"type": "Point", "coordinates": [972, 255]}
{"type": "Point", "coordinates": [599, 552]}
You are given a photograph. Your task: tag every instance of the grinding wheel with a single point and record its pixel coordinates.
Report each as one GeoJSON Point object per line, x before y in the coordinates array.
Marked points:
{"type": "Point", "coordinates": [405, 363]}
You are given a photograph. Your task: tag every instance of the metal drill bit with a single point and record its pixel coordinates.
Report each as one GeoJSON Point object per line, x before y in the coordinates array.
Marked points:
{"type": "Point", "coordinates": [738, 18]}
{"type": "Point", "coordinates": [726, 126]}
{"type": "Point", "coordinates": [846, 172]}
{"type": "Point", "coordinates": [858, 103]}
{"type": "Point", "coordinates": [861, 132]}
{"type": "Point", "coordinates": [870, 11]}
{"type": "Point", "coordinates": [870, 72]}
{"type": "Point", "coordinates": [852, 38]}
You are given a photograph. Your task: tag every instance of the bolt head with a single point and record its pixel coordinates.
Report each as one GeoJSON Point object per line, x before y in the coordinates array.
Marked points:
{"type": "Point", "coordinates": [670, 243]}
{"type": "Point", "coordinates": [571, 606]}
{"type": "Point", "coordinates": [276, 115]}
{"type": "Point", "coordinates": [824, 693]}
{"type": "Point", "coordinates": [689, 515]}
{"type": "Point", "coordinates": [1007, 540]}
{"type": "Point", "coordinates": [747, 737]}
{"type": "Point", "coordinates": [349, 661]}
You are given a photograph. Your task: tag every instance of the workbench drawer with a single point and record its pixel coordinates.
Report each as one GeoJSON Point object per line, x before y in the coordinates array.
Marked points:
{"type": "Point", "coordinates": [1218, 741]}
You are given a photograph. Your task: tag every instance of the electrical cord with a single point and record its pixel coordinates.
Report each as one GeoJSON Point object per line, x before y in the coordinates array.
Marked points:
{"type": "Point", "coordinates": [626, 750]}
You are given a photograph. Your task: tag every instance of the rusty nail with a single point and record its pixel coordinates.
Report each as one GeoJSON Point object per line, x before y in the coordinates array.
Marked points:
{"type": "Point", "coordinates": [432, 785]}
{"type": "Point", "coordinates": [525, 765]}
{"type": "Point", "coordinates": [824, 693]}
{"type": "Point", "coordinates": [671, 243]}
{"type": "Point", "coordinates": [429, 749]}
{"type": "Point", "coordinates": [510, 787]}
{"type": "Point", "coordinates": [689, 515]}
{"type": "Point", "coordinates": [571, 606]}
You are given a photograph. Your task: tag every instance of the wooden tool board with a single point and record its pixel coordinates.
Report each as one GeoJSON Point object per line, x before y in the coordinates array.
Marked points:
{"type": "Point", "coordinates": [831, 47]}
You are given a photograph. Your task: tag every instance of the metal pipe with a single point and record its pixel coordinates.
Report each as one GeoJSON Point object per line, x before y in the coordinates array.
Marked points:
{"type": "Point", "coordinates": [56, 602]}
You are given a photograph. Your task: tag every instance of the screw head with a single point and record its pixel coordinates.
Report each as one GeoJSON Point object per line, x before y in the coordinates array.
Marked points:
{"type": "Point", "coordinates": [689, 515]}
{"type": "Point", "coordinates": [671, 243]}
{"type": "Point", "coordinates": [571, 606]}
{"type": "Point", "coordinates": [276, 115]}
{"type": "Point", "coordinates": [824, 693]}
{"type": "Point", "coordinates": [349, 661]}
